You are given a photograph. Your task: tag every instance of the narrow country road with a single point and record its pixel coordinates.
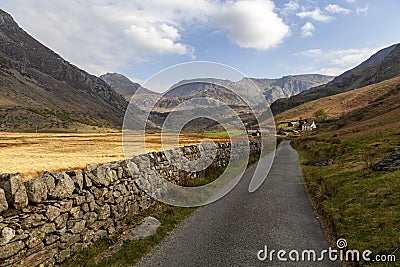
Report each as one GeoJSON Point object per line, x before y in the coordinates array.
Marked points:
{"type": "Point", "coordinates": [232, 230]}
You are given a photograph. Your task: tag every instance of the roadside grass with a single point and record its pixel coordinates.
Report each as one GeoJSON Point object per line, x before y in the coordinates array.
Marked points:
{"type": "Point", "coordinates": [353, 201]}
{"type": "Point", "coordinates": [132, 251]}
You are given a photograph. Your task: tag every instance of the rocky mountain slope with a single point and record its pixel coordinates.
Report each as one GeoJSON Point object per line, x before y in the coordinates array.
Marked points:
{"type": "Point", "coordinates": [291, 85]}
{"type": "Point", "coordinates": [41, 90]}
{"type": "Point", "coordinates": [272, 89]}
{"type": "Point", "coordinates": [383, 65]}
{"type": "Point", "coordinates": [123, 86]}
{"type": "Point", "coordinates": [222, 90]}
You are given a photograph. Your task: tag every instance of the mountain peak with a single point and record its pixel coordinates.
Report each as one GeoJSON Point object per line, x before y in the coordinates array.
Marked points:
{"type": "Point", "coordinates": [6, 19]}
{"type": "Point", "coordinates": [123, 85]}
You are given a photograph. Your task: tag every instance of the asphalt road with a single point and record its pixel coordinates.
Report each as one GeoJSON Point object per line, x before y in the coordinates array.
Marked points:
{"type": "Point", "coordinates": [232, 230]}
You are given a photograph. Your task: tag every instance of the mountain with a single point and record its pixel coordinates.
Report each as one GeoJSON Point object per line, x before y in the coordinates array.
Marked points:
{"type": "Point", "coordinates": [272, 89]}
{"type": "Point", "coordinates": [340, 105]}
{"type": "Point", "coordinates": [41, 90]}
{"type": "Point", "coordinates": [383, 65]}
{"type": "Point", "coordinates": [288, 86]}
{"type": "Point", "coordinates": [123, 86]}
{"type": "Point", "coordinates": [207, 90]}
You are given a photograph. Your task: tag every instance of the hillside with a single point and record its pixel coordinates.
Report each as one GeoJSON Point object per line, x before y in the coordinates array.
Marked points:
{"type": "Point", "coordinates": [40, 90]}
{"type": "Point", "coordinates": [337, 106]}
{"type": "Point", "coordinates": [381, 66]}
{"type": "Point", "coordinates": [353, 199]}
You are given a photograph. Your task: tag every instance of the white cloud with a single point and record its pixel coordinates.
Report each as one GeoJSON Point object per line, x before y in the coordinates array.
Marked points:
{"type": "Point", "coordinates": [308, 29]}
{"type": "Point", "coordinates": [290, 8]}
{"type": "Point", "coordinates": [106, 35]}
{"type": "Point", "coordinates": [317, 14]}
{"type": "Point", "coordinates": [336, 62]}
{"type": "Point", "coordinates": [351, 1]}
{"type": "Point", "coordinates": [157, 39]}
{"type": "Point", "coordinates": [333, 71]}
{"type": "Point", "coordinates": [362, 10]}
{"type": "Point", "coordinates": [252, 24]}
{"type": "Point", "coordinates": [103, 35]}
{"type": "Point", "coordinates": [310, 53]}
{"type": "Point", "coordinates": [351, 57]}
{"type": "Point", "coordinates": [335, 9]}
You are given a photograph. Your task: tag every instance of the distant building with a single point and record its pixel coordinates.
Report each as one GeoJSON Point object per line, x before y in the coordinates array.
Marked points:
{"type": "Point", "coordinates": [253, 133]}
{"type": "Point", "coordinates": [308, 126]}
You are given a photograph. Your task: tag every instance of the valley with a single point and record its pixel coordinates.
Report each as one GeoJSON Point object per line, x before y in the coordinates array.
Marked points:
{"type": "Point", "coordinates": [56, 117]}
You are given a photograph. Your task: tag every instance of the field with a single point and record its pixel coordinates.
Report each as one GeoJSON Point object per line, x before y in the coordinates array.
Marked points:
{"type": "Point", "coordinates": [33, 153]}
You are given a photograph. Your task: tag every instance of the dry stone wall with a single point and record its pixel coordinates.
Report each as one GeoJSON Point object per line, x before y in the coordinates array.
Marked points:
{"type": "Point", "coordinates": [44, 220]}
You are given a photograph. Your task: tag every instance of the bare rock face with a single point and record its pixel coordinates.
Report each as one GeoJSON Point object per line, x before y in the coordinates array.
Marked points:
{"type": "Point", "coordinates": [390, 162]}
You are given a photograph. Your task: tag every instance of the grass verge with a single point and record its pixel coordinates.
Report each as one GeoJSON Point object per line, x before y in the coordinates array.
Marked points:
{"type": "Point", "coordinates": [353, 201]}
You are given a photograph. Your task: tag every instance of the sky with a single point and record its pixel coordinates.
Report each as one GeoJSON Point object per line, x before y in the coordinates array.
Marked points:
{"type": "Point", "coordinates": [261, 38]}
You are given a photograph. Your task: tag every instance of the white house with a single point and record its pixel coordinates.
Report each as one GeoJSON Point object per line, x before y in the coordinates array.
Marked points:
{"type": "Point", "coordinates": [309, 126]}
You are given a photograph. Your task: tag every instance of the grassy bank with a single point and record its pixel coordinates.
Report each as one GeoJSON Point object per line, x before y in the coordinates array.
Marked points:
{"type": "Point", "coordinates": [353, 201]}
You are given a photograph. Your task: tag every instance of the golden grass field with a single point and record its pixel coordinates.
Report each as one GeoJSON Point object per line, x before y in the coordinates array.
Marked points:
{"type": "Point", "coordinates": [33, 153]}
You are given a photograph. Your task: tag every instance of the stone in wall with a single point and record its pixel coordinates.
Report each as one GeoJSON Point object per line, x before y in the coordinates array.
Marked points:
{"type": "Point", "coordinates": [3, 201]}
{"type": "Point", "coordinates": [64, 186]}
{"type": "Point", "coordinates": [36, 190]}
{"type": "Point", "coordinates": [14, 189]}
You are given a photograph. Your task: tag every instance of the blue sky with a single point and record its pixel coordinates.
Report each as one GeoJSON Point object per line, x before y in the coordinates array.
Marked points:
{"type": "Point", "coordinates": [261, 38]}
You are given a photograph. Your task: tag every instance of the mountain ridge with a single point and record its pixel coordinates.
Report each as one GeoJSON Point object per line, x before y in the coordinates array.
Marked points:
{"type": "Point", "coordinates": [272, 88]}
{"type": "Point", "coordinates": [44, 91]}
{"type": "Point", "coordinates": [383, 65]}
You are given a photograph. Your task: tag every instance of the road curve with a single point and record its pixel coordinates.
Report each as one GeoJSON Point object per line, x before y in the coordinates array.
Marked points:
{"type": "Point", "coordinates": [232, 230]}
